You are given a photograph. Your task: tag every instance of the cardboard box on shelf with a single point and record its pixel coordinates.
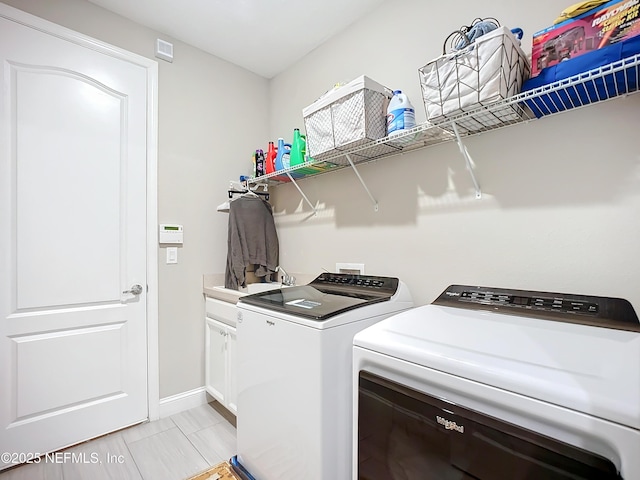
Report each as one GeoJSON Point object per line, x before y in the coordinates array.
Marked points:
{"type": "Point", "coordinates": [600, 27]}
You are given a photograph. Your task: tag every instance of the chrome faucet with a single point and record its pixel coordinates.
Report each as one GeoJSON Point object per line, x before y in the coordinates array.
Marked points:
{"type": "Point", "coordinates": [286, 279]}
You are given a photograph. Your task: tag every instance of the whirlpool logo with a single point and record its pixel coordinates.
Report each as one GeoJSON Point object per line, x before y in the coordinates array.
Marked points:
{"type": "Point", "coordinates": [449, 425]}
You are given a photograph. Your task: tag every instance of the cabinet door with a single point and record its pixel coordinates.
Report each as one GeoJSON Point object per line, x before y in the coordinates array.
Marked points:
{"type": "Point", "coordinates": [215, 358]}
{"type": "Point", "coordinates": [232, 374]}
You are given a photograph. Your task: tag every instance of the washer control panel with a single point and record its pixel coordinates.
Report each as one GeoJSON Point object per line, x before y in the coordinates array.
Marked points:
{"type": "Point", "coordinates": [389, 284]}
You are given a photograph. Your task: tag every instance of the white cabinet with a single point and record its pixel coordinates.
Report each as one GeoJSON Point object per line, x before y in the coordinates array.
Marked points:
{"type": "Point", "coordinates": [220, 357]}
{"type": "Point", "coordinates": [220, 353]}
{"type": "Point", "coordinates": [232, 370]}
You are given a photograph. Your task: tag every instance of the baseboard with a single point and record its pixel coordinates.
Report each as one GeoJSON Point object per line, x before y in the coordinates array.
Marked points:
{"type": "Point", "coordinates": [229, 417]}
{"type": "Point", "coordinates": [182, 401]}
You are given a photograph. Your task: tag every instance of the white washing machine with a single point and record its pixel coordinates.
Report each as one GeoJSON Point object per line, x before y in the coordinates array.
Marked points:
{"type": "Point", "coordinates": [490, 384]}
{"type": "Point", "coordinates": [294, 373]}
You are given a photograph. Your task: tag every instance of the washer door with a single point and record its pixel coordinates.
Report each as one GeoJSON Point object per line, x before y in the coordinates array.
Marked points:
{"type": "Point", "coordinates": [311, 301]}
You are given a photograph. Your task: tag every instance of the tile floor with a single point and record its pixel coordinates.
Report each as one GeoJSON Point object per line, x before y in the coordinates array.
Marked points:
{"type": "Point", "coordinates": [172, 448]}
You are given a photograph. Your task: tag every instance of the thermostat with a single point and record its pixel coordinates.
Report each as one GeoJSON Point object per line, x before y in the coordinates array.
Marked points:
{"type": "Point", "coordinates": [171, 233]}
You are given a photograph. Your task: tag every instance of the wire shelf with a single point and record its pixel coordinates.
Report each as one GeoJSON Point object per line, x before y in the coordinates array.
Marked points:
{"type": "Point", "coordinates": [598, 85]}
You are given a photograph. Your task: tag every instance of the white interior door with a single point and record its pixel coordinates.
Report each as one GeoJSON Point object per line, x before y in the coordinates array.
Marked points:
{"type": "Point", "coordinates": [73, 346]}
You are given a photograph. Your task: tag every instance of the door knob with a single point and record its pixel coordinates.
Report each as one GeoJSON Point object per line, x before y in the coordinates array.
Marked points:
{"type": "Point", "coordinates": [135, 289]}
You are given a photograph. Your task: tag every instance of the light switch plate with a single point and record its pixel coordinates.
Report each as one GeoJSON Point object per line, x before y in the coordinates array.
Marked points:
{"type": "Point", "coordinates": [172, 255]}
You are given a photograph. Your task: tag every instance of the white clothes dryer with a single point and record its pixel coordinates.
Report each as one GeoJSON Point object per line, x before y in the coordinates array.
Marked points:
{"type": "Point", "coordinates": [490, 384]}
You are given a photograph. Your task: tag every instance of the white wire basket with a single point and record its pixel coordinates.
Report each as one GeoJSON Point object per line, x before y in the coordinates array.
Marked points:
{"type": "Point", "coordinates": [491, 69]}
{"type": "Point", "coordinates": [352, 115]}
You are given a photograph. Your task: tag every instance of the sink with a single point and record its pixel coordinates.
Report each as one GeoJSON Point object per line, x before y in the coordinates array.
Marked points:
{"type": "Point", "coordinates": [232, 296]}
{"type": "Point", "coordinates": [260, 287]}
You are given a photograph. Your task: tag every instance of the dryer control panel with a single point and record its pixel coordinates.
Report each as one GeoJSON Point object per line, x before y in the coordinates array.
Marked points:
{"type": "Point", "coordinates": [590, 310]}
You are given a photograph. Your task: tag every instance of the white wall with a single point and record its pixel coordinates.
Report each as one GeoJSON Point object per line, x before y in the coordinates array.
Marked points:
{"type": "Point", "coordinates": [561, 195]}
{"type": "Point", "coordinates": [205, 139]}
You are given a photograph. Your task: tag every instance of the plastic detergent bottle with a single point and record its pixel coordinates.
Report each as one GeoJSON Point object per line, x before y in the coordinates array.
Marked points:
{"type": "Point", "coordinates": [270, 161]}
{"type": "Point", "coordinates": [284, 151]}
{"type": "Point", "coordinates": [298, 148]}
{"type": "Point", "coordinates": [400, 113]}
{"type": "Point", "coordinates": [260, 163]}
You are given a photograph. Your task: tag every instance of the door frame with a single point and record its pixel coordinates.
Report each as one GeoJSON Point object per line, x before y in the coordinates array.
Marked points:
{"type": "Point", "coordinates": [151, 67]}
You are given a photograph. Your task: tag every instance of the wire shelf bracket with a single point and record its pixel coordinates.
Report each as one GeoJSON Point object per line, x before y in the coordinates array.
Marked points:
{"type": "Point", "coordinates": [468, 159]}
{"type": "Point", "coordinates": [364, 185]}
{"type": "Point", "coordinates": [315, 211]}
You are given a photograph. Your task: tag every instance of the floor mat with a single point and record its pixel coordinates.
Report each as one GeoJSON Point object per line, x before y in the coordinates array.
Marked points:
{"type": "Point", "coordinates": [222, 471]}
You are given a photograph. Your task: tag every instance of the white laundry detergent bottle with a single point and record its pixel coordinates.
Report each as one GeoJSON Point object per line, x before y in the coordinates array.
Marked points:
{"type": "Point", "coordinates": [400, 114]}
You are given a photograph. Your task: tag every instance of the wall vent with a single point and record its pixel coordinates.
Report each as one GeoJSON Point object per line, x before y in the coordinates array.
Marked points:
{"type": "Point", "coordinates": [164, 50]}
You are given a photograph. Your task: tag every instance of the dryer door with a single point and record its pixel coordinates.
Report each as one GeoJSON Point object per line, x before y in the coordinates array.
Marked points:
{"type": "Point", "coordinates": [406, 434]}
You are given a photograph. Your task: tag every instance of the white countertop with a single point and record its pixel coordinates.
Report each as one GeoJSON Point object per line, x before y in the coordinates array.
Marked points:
{"type": "Point", "coordinates": [213, 286]}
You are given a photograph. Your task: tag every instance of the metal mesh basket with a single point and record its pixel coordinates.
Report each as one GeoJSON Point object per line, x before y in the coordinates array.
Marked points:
{"type": "Point", "coordinates": [319, 130]}
{"type": "Point", "coordinates": [493, 68]}
{"type": "Point", "coordinates": [353, 119]}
